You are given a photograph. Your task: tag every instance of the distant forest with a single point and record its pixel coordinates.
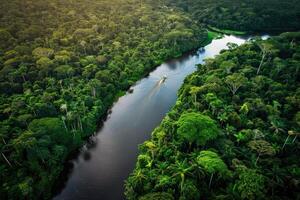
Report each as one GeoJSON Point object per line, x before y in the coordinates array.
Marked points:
{"type": "Point", "coordinates": [269, 16]}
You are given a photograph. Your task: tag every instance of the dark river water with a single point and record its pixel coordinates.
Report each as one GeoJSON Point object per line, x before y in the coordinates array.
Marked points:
{"type": "Point", "coordinates": [100, 169]}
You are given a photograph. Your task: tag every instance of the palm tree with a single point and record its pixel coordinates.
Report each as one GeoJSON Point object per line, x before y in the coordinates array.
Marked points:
{"type": "Point", "coordinates": [161, 135]}
{"type": "Point", "coordinates": [290, 133]}
{"type": "Point", "coordinates": [136, 178]}
{"type": "Point", "coordinates": [277, 173]}
{"type": "Point", "coordinates": [151, 147]}
{"type": "Point", "coordinates": [181, 169]}
{"type": "Point", "coordinates": [276, 126]}
{"type": "Point", "coordinates": [193, 91]}
{"type": "Point", "coordinates": [222, 117]}
{"type": "Point", "coordinates": [51, 82]}
{"type": "Point", "coordinates": [162, 166]}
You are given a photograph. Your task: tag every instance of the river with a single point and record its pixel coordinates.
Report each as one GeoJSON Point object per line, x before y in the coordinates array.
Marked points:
{"type": "Point", "coordinates": [104, 163]}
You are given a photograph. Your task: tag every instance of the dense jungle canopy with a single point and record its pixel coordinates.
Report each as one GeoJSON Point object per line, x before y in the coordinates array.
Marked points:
{"type": "Point", "coordinates": [64, 62]}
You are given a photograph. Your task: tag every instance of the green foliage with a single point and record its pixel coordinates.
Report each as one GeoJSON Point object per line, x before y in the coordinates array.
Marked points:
{"type": "Point", "coordinates": [225, 31]}
{"type": "Point", "coordinates": [62, 64]}
{"type": "Point", "coordinates": [211, 162]}
{"type": "Point", "coordinates": [198, 128]}
{"type": "Point", "coordinates": [42, 52]}
{"type": "Point", "coordinates": [157, 196]}
{"type": "Point", "coordinates": [212, 35]}
{"type": "Point", "coordinates": [235, 81]}
{"type": "Point", "coordinates": [253, 123]}
{"type": "Point", "coordinates": [240, 16]}
{"type": "Point", "coordinates": [262, 147]}
{"type": "Point", "coordinates": [52, 127]}
{"type": "Point", "coordinates": [250, 184]}
{"type": "Point", "coordinates": [189, 191]}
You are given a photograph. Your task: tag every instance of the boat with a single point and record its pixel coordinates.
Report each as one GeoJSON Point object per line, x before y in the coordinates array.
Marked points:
{"type": "Point", "coordinates": [162, 80]}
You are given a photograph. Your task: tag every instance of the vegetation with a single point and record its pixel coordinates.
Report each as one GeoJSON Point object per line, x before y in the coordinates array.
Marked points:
{"type": "Point", "coordinates": [244, 15]}
{"type": "Point", "coordinates": [233, 131]}
{"type": "Point", "coordinates": [225, 31]}
{"type": "Point", "coordinates": [62, 64]}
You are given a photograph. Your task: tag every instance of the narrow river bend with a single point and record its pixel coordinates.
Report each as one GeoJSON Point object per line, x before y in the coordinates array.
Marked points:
{"type": "Point", "coordinates": [100, 169]}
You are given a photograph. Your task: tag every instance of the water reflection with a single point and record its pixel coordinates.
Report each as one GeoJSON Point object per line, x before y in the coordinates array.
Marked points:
{"type": "Point", "coordinates": [92, 142]}
{"type": "Point", "coordinates": [172, 65]}
{"type": "Point", "coordinates": [87, 156]}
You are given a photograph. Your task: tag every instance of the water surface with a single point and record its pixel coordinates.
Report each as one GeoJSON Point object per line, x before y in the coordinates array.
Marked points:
{"type": "Point", "coordinates": [100, 169]}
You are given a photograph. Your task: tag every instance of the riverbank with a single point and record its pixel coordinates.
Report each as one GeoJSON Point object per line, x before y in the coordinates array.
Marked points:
{"type": "Point", "coordinates": [226, 31]}
{"type": "Point", "coordinates": [107, 111]}
{"type": "Point", "coordinates": [220, 140]}
{"type": "Point", "coordinates": [107, 163]}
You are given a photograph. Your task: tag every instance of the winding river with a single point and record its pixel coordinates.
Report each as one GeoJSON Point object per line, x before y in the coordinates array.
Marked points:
{"type": "Point", "coordinates": [104, 163]}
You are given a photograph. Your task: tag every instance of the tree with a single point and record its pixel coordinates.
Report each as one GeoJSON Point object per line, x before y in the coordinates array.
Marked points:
{"type": "Point", "coordinates": [151, 147]}
{"type": "Point", "coordinates": [235, 81]}
{"type": "Point", "coordinates": [227, 66]}
{"type": "Point", "coordinates": [6, 39]}
{"type": "Point", "coordinates": [137, 179]}
{"type": "Point", "coordinates": [262, 147]}
{"type": "Point", "coordinates": [164, 181]}
{"type": "Point", "coordinates": [244, 108]}
{"type": "Point", "coordinates": [190, 190]}
{"type": "Point", "coordinates": [83, 44]}
{"type": "Point", "coordinates": [44, 64]}
{"type": "Point", "coordinates": [231, 45]}
{"type": "Point", "coordinates": [193, 91]}
{"type": "Point", "coordinates": [64, 71]}
{"type": "Point", "coordinates": [95, 86]}
{"type": "Point", "coordinates": [290, 133]}
{"type": "Point", "coordinates": [250, 184]}
{"type": "Point", "coordinates": [157, 196]}
{"type": "Point", "coordinates": [42, 52]}
{"type": "Point", "coordinates": [175, 36]}
{"type": "Point", "coordinates": [24, 119]}
{"type": "Point", "coordinates": [52, 127]}
{"type": "Point", "coordinates": [101, 59]}
{"type": "Point", "coordinates": [276, 125]}
{"type": "Point", "coordinates": [181, 169]}
{"type": "Point", "coordinates": [278, 174]}
{"type": "Point", "coordinates": [212, 163]}
{"type": "Point", "coordinates": [25, 187]}
{"type": "Point", "coordinates": [214, 102]}
{"type": "Point", "coordinates": [104, 76]}
{"type": "Point", "coordinates": [145, 160]}
{"type": "Point", "coordinates": [23, 71]}
{"type": "Point", "coordinates": [267, 49]}
{"type": "Point", "coordinates": [196, 128]}
{"type": "Point", "coordinates": [243, 135]}
{"type": "Point", "coordinates": [63, 57]}
{"type": "Point", "coordinates": [89, 70]}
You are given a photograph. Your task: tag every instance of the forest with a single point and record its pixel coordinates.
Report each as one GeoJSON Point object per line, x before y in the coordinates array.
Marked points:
{"type": "Point", "coordinates": [267, 16]}
{"type": "Point", "coordinates": [63, 63]}
{"type": "Point", "coordinates": [233, 131]}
